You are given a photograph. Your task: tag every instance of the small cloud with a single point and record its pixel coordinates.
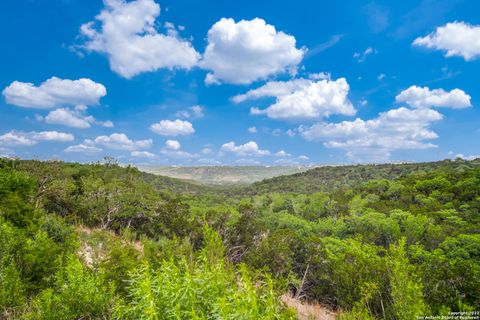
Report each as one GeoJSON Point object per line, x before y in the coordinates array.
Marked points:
{"type": "Point", "coordinates": [362, 56]}
{"type": "Point", "coordinates": [424, 97]}
{"type": "Point", "coordinates": [455, 39]}
{"type": "Point", "coordinates": [250, 148]}
{"type": "Point", "coordinates": [320, 76]}
{"type": "Point", "coordinates": [172, 149]}
{"type": "Point", "coordinates": [142, 154]}
{"type": "Point", "coordinates": [276, 132]}
{"type": "Point", "coordinates": [291, 133]}
{"type": "Point", "coordinates": [194, 112]}
{"type": "Point", "coordinates": [282, 154]}
{"type": "Point", "coordinates": [172, 145]}
{"type": "Point", "coordinates": [54, 93]}
{"type": "Point", "coordinates": [19, 138]}
{"type": "Point", "coordinates": [172, 128]}
{"type": "Point", "coordinates": [75, 118]}
{"type": "Point", "coordinates": [206, 151]}
{"type": "Point", "coordinates": [115, 141]}
{"type": "Point", "coordinates": [86, 147]}
{"type": "Point", "coordinates": [333, 40]}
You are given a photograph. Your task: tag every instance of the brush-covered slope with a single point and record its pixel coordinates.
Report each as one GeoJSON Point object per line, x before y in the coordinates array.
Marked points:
{"type": "Point", "coordinates": [77, 173]}
{"type": "Point", "coordinates": [329, 178]}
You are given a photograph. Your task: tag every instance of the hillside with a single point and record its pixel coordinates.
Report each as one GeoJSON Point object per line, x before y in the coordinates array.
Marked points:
{"type": "Point", "coordinates": [224, 175]}
{"type": "Point", "coordinates": [328, 178]}
{"type": "Point", "coordinates": [101, 241]}
{"type": "Point", "coordinates": [51, 170]}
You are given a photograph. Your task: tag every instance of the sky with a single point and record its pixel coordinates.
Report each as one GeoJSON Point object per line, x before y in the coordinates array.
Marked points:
{"type": "Point", "coordinates": [212, 82]}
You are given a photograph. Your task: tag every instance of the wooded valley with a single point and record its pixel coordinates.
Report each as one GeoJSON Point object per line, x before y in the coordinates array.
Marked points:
{"type": "Point", "coordinates": [104, 241]}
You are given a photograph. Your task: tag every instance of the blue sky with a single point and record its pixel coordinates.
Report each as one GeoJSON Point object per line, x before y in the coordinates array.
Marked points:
{"type": "Point", "coordinates": [253, 82]}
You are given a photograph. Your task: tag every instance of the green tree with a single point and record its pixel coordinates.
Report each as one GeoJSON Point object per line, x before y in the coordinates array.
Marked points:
{"type": "Point", "coordinates": [406, 288]}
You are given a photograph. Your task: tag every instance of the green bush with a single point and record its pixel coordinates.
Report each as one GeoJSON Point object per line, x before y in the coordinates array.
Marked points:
{"type": "Point", "coordinates": [208, 288]}
{"type": "Point", "coordinates": [78, 293]}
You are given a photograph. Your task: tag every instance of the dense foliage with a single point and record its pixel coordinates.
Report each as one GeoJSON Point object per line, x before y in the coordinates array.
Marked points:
{"type": "Point", "coordinates": [328, 178]}
{"type": "Point", "coordinates": [101, 241]}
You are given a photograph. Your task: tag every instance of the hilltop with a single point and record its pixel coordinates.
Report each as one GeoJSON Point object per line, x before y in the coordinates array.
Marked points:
{"type": "Point", "coordinates": [328, 178]}
{"type": "Point", "coordinates": [224, 175]}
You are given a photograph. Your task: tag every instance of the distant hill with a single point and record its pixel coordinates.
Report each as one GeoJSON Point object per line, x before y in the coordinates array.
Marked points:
{"type": "Point", "coordinates": [72, 171]}
{"type": "Point", "coordinates": [224, 175]}
{"type": "Point", "coordinates": [329, 178]}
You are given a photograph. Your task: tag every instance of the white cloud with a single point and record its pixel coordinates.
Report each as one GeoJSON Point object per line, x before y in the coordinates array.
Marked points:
{"type": "Point", "coordinates": [51, 136]}
{"type": "Point", "coordinates": [456, 38]}
{"type": "Point", "coordinates": [250, 148]}
{"type": "Point", "coordinates": [194, 112]}
{"type": "Point", "coordinates": [272, 89]}
{"type": "Point", "coordinates": [72, 118]}
{"type": "Point", "coordinates": [68, 118]}
{"type": "Point", "coordinates": [320, 76]}
{"type": "Point", "coordinates": [54, 92]}
{"type": "Point", "coordinates": [86, 147]}
{"type": "Point", "coordinates": [125, 32]}
{"type": "Point", "coordinates": [172, 144]}
{"type": "Point", "coordinates": [19, 138]}
{"type": "Point", "coordinates": [334, 130]}
{"type": "Point", "coordinates": [248, 50]}
{"type": "Point", "coordinates": [303, 157]}
{"type": "Point", "coordinates": [362, 56]}
{"type": "Point", "coordinates": [178, 154]}
{"type": "Point", "coordinates": [206, 151]}
{"type": "Point", "coordinates": [291, 133]}
{"type": "Point", "coordinates": [13, 138]}
{"type": "Point", "coordinates": [396, 129]}
{"type": "Point", "coordinates": [115, 141]}
{"type": "Point", "coordinates": [59, 93]}
{"type": "Point", "coordinates": [302, 99]}
{"type": "Point", "coordinates": [252, 129]}
{"type": "Point", "coordinates": [418, 97]}
{"type": "Point", "coordinates": [142, 154]}
{"type": "Point", "coordinates": [106, 124]}
{"type": "Point", "coordinates": [120, 141]}
{"type": "Point", "coordinates": [172, 128]}
{"type": "Point", "coordinates": [172, 149]}
{"type": "Point", "coordinates": [282, 154]}
{"type": "Point", "coordinates": [276, 132]}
